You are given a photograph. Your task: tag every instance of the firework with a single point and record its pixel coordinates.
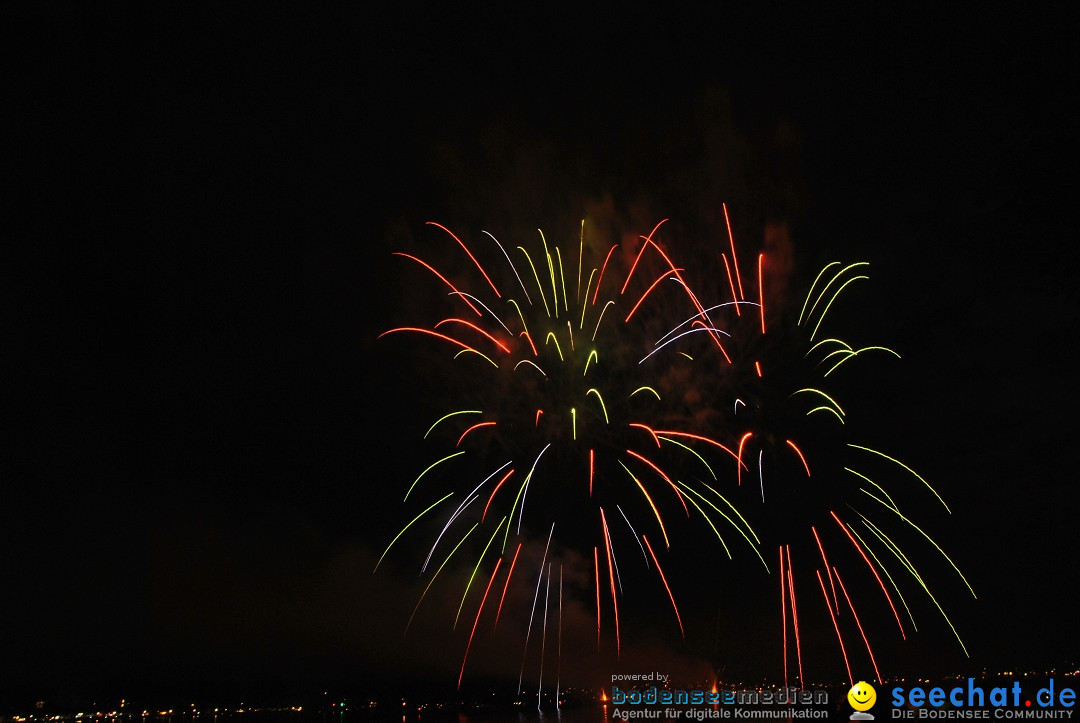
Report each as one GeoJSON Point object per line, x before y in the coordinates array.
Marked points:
{"type": "Point", "coordinates": [567, 420]}
{"type": "Point", "coordinates": [594, 402]}
{"type": "Point", "coordinates": [827, 505]}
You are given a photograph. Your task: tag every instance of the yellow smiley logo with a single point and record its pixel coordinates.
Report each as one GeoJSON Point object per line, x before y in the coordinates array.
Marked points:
{"type": "Point", "coordinates": [862, 696]}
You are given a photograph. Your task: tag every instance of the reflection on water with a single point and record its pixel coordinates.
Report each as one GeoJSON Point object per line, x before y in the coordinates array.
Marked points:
{"type": "Point", "coordinates": [507, 712]}
{"type": "Point", "coordinates": [598, 714]}
{"type": "Point", "coordinates": [574, 714]}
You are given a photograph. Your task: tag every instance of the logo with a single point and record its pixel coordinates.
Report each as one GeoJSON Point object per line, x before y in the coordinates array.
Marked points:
{"type": "Point", "coordinates": [862, 697]}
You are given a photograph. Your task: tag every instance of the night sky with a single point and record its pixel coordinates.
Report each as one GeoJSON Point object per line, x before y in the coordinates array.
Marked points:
{"type": "Point", "coordinates": [207, 446]}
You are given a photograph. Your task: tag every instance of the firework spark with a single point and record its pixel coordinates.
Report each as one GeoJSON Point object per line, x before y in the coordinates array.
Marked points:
{"type": "Point", "coordinates": [562, 414]}
{"type": "Point", "coordinates": [618, 390]}
{"type": "Point", "coordinates": [819, 488]}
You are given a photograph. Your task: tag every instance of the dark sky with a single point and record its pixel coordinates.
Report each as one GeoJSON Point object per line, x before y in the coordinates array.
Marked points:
{"type": "Point", "coordinates": [206, 445]}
